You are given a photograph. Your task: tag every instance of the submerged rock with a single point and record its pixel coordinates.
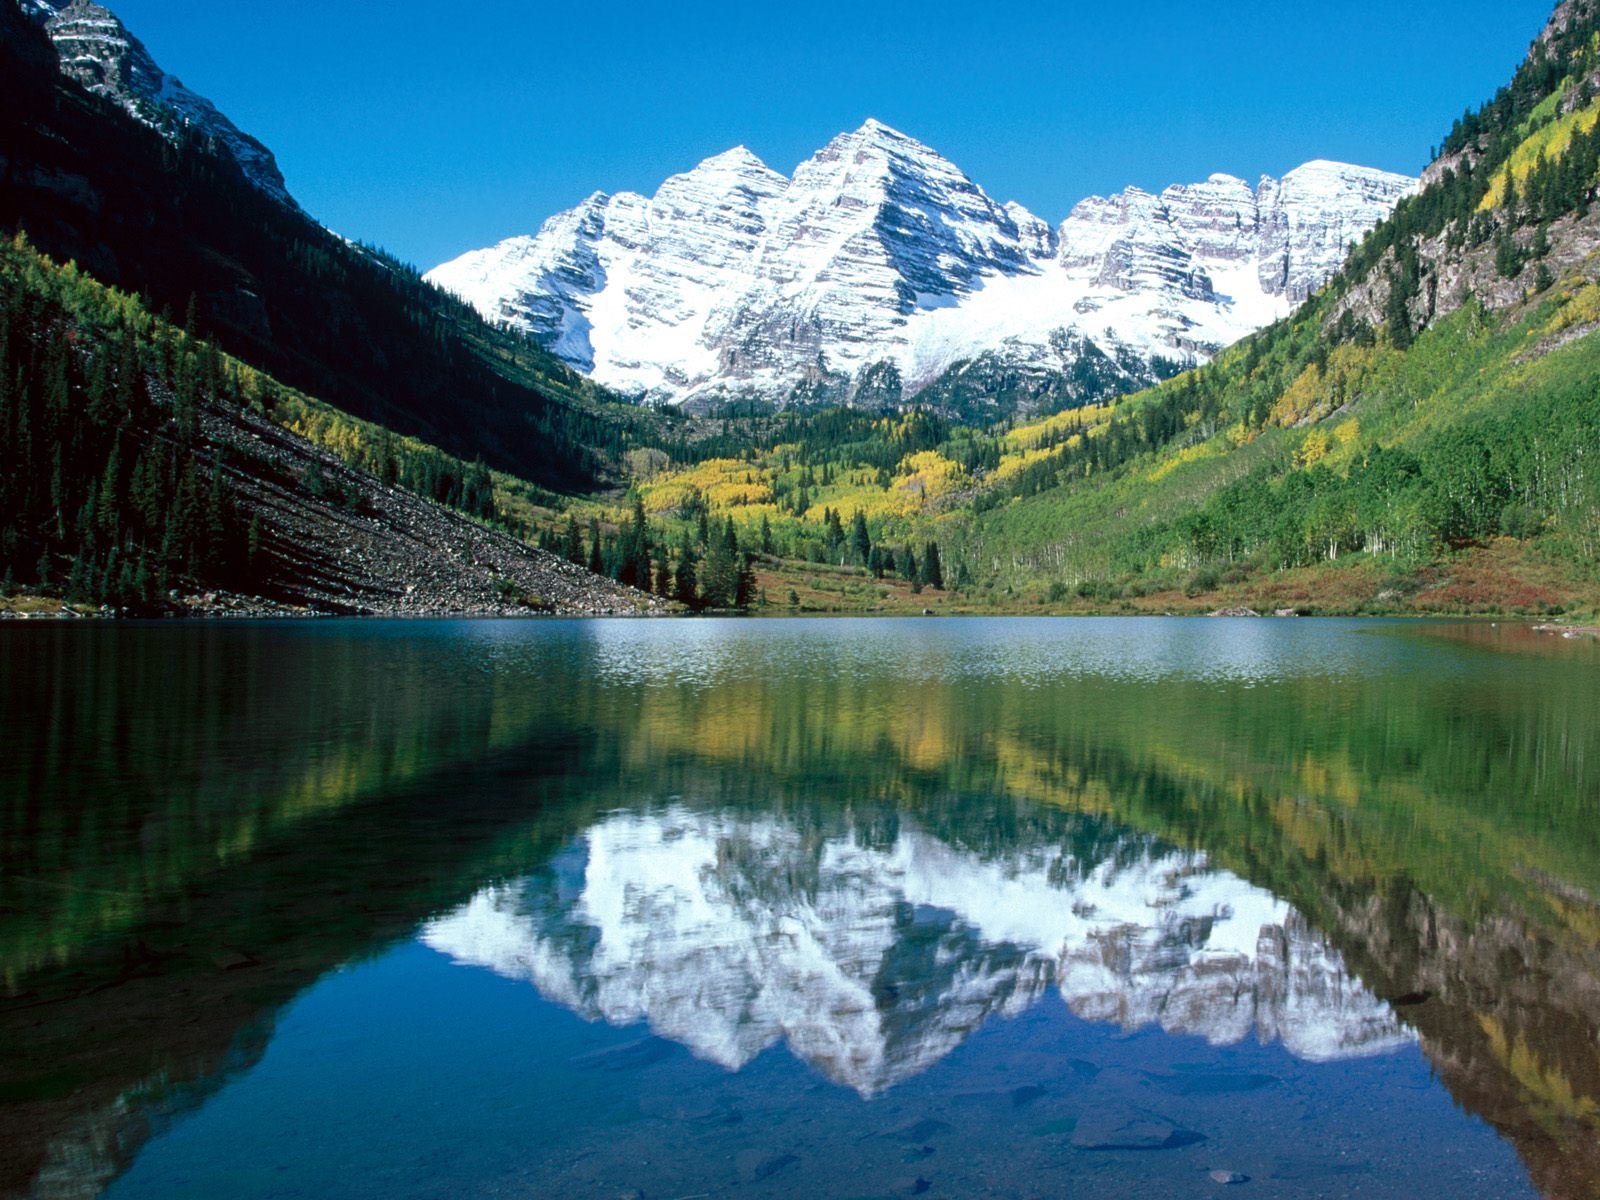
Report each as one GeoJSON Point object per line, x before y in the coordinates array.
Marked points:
{"type": "Point", "coordinates": [755, 1164]}
{"type": "Point", "coordinates": [1126, 1127]}
{"type": "Point", "coordinates": [917, 1131]}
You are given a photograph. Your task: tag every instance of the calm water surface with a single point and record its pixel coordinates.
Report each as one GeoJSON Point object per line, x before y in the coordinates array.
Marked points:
{"type": "Point", "coordinates": [1006, 908]}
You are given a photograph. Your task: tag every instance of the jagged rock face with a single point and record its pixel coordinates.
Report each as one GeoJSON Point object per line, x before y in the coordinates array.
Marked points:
{"type": "Point", "coordinates": [1304, 240]}
{"type": "Point", "coordinates": [729, 934]}
{"type": "Point", "coordinates": [97, 51]}
{"type": "Point", "coordinates": [734, 282]}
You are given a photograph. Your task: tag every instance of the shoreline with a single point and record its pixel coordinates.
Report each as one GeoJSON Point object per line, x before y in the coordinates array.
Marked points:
{"type": "Point", "coordinates": [228, 607]}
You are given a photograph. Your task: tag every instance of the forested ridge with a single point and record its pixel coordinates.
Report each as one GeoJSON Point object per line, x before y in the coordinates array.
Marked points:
{"type": "Point", "coordinates": [179, 225]}
{"type": "Point", "coordinates": [139, 462]}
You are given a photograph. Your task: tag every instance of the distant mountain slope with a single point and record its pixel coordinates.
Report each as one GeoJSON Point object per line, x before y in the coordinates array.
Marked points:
{"type": "Point", "coordinates": [880, 266]}
{"type": "Point", "coordinates": [160, 214]}
{"type": "Point", "coordinates": [98, 52]}
{"type": "Point", "coordinates": [1422, 434]}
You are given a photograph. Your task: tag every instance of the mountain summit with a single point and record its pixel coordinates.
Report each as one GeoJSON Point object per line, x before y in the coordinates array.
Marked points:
{"type": "Point", "coordinates": [879, 269]}
{"type": "Point", "coordinates": [97, 51]}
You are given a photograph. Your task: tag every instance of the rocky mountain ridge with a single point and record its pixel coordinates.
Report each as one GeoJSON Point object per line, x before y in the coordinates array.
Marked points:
{"type": "Point", "coordinates": [879, 268]}
{"type": "Point", "coordinates": [99, 52]}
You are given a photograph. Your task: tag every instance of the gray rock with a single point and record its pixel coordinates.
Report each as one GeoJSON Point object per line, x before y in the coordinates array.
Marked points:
{"type": "Point", "coordinates": [1023, 1096]}
{"type": "Point", "coordinates": [1126, 1127]}
{"type": "Point", "coordinates": [96, 51]}
{"type": "Point", "coordinates": [917, 1130]}
{"type": "Point", "coordinates": [757, 1164]}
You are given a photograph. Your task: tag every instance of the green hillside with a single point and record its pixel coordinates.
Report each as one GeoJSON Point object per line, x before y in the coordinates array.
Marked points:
{"type": "Point", "coordinates": [1420, 436]}
{"type": "Point", "coordinates": [181, 227]}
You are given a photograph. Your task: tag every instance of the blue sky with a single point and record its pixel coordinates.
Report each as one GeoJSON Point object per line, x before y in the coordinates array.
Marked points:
{"type": "Point", "coordinates": [430, 128]}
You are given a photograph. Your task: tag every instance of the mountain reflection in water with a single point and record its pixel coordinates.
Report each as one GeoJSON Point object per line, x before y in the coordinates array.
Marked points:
{"type": "Point", "coordinates": [1340, 850]}
{"type": "Point", "coordinates": [729, 934]}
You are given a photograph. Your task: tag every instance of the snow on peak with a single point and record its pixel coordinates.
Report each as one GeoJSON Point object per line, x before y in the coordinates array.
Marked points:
{"type": "Point", "coordinates": [737, 282]}
{"type": "Point", "coordinates": [875, 129]}
{"type": "Point", "coordinates": [730, 933]}
{"type": "Point", "coordinates": [97, 51]}
{"type": "Point", "coordinates": [739, 158]}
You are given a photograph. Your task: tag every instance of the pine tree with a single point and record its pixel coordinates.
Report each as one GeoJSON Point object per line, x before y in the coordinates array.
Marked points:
{"type": "Point", "coordinates": [932, 572]}
{"type": "Point", "coordinates": [572, 542]}
{"type": "Point", "coordinates": [663, 571]}
{"type": "Point", "coordinates": [107, 517]}
{"type": "Point", "coordinates": [834, 531]}
{"type": "Point", "coordinates": [686, 585]}
{"type": "Point", "coordinates": [860, 539]}
{"type": "Point", "coordinates": [1507, 258]}
{"type": "Point", "coordinates": [597, 562]}
{"type": "Point", "coordinates": [101, 405]}
{"type": "Point", "coordinates": [719, 581]}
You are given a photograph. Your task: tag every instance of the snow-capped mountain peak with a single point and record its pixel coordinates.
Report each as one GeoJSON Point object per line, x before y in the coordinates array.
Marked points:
{"type": "Point", "coordinates": [734, 281]}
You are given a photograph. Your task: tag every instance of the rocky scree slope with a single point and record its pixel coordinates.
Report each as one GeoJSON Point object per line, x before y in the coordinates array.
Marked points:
{"type": "Point", "coordinates": [351, 544]}
{"type": "Point", "coordinates": [879, 269]}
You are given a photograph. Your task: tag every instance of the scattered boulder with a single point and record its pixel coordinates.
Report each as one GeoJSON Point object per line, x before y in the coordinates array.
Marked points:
{"type": "Point", "coordinates": [1126, 1127]}
{"type": "Point", "coordinates": [917, 1130]}
{"type": "Point", "coordinates": [1226, 1177]}
{"type": "Point", "coordinates": [1023, 1096]}
{"type": "Point", "coordinates": [757, 1164]}
{"type": "Point", "coordinates": [1236, 611]}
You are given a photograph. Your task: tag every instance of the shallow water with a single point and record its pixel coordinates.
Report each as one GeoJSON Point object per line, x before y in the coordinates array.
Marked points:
{"type": "Point", "coordinates": [799, 908]}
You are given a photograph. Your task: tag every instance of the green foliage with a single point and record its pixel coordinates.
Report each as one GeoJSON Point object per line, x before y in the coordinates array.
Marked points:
{"type": "Point", "coordinates": [267, 284]}
{"type": "Point", "coordinates": [106, 485]}
{"type": "Point", "coordinates": [1460, 441]}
